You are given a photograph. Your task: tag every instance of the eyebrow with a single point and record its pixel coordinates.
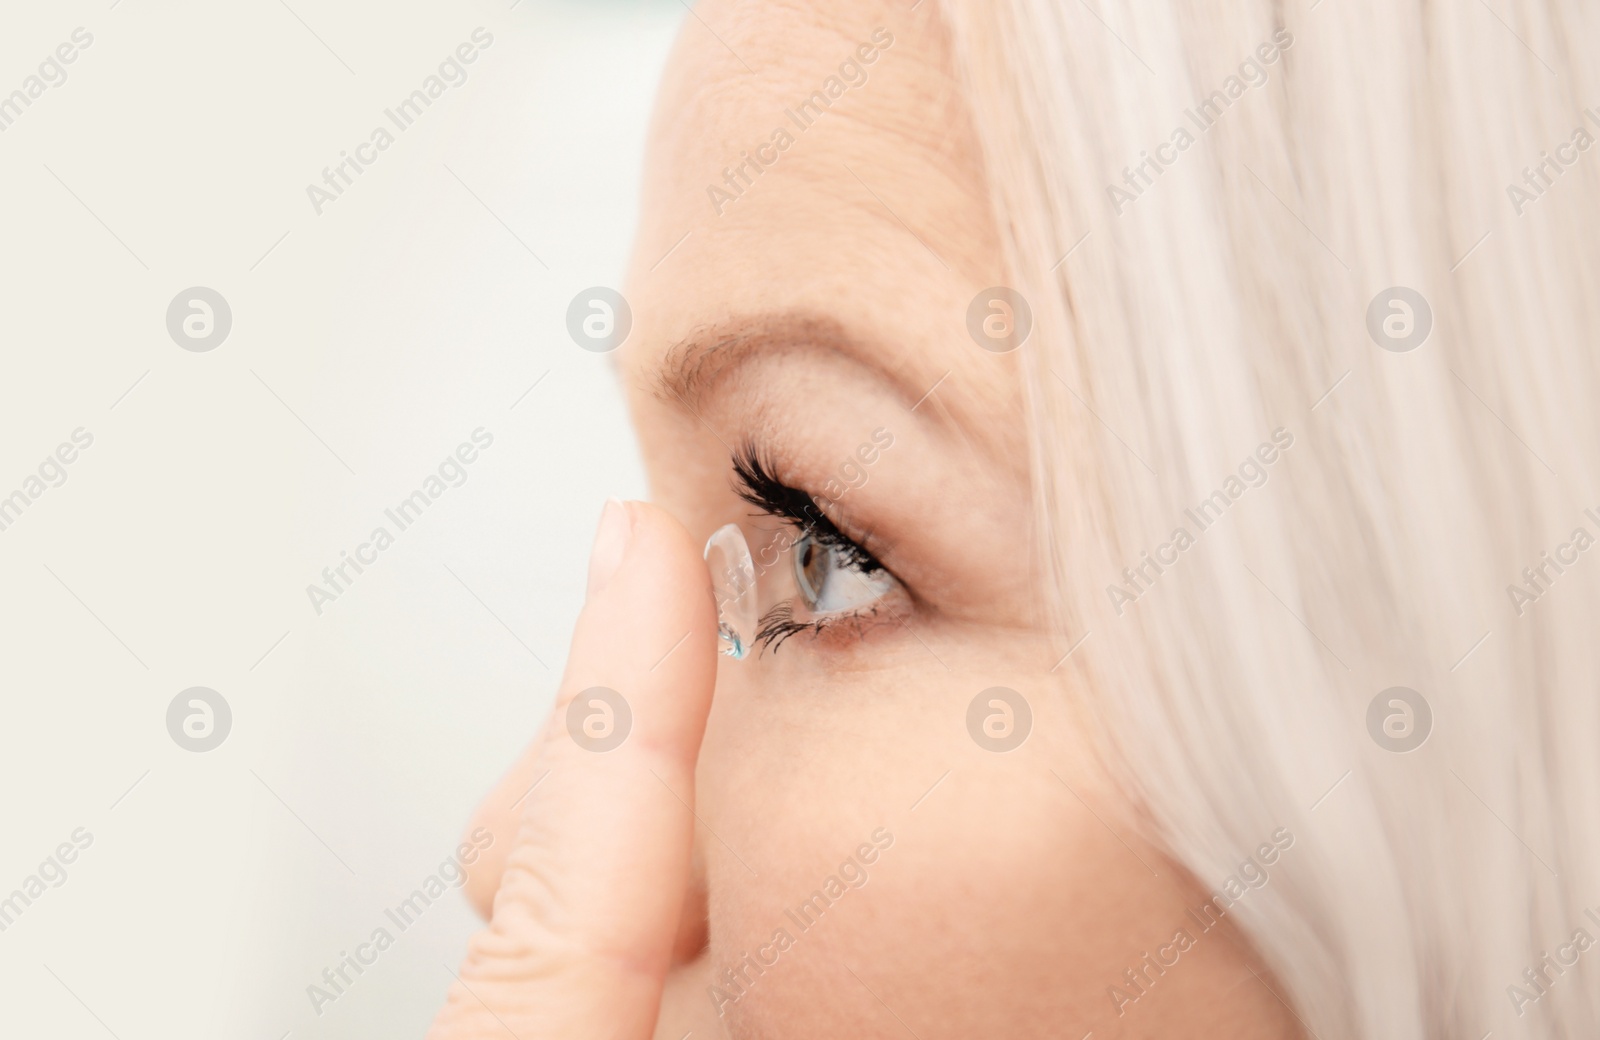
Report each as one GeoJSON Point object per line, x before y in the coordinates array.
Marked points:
{"type": "Point", "coordinates": [690, 368]}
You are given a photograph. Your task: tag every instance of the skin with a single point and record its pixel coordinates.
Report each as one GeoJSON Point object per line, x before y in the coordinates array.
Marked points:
{"type": "Point", "coordinates": [1006, 891]}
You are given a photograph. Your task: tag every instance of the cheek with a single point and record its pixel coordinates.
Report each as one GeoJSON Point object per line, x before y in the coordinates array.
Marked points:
{"type": "Point", "coordinates": [972, 923]}
{"type": "Point", "coordinates": [1004, 905]}
{"type": "Point", "coordinates": [1001, 904]}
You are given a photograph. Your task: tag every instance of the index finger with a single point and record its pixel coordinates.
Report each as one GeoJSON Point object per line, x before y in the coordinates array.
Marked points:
{"type": "Point", "coordinates": [584, 922]}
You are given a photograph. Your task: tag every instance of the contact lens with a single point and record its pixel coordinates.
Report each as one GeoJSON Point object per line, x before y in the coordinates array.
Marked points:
{"type": "Point", "coordinates": [733, 583]}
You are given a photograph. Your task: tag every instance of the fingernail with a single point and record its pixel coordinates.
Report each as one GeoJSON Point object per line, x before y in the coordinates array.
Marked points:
{"type": "Point", "coordinates": [610, 544]}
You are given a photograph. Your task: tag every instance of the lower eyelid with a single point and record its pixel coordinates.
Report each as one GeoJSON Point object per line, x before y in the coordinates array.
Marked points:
{"type": "Point", "coordinates": [851, 629]}
{"type": "Point", "coordinates": [779, 624]}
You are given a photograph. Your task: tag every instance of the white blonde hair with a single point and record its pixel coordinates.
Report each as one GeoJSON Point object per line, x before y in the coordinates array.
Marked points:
{"type": "Point", "coordinates": [1225, 294]}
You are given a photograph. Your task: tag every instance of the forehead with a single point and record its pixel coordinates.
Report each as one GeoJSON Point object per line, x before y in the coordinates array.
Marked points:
{"type": "Point", "coordinates": [813, 162]}
{"type": "Point", "coordinates": [744, 74]}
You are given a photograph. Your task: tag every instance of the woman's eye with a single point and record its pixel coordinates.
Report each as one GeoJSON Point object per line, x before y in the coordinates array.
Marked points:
{"type": "Point", "coordinates": [830, 581]}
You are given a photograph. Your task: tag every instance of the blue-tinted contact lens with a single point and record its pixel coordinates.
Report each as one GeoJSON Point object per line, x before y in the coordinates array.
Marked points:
{"type": "Point", "coordinates": [733, 582]}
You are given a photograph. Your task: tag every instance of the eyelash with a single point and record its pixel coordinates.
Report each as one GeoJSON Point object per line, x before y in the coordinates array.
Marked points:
{"type": "Point", "coordinates": [778, 624]}
{"type": "Point", "coordinates": [755, 483]}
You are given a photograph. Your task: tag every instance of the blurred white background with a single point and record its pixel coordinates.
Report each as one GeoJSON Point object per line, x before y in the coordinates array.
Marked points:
{"type": "Point", "coordinates": [366, 343]}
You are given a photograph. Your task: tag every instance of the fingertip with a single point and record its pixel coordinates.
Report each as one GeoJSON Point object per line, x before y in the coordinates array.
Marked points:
{"type": "Point", "coordinates": [662, 541]}
{"type": "Point", "coordinates": [647, 636]}
{"type": "Point", "coordinates": [650, 565]}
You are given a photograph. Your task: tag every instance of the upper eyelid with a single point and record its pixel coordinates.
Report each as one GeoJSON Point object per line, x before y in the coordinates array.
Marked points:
{"type": "Point", "coordinates": [756, 483]}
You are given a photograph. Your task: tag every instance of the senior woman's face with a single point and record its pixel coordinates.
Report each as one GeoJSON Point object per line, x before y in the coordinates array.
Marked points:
{"type": "Point", "coordinates": [874, 859]}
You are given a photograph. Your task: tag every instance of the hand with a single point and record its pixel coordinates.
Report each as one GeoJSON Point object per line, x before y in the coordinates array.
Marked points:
{"type": "Point", "coordinates": [585, 916]}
